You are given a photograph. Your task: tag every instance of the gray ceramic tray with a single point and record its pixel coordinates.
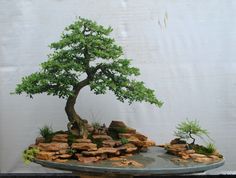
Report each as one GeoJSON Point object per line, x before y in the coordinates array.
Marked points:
{"type": "Point", "coordinates": [155, 161]}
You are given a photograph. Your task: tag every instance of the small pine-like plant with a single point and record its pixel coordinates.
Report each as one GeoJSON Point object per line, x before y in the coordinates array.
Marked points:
{"type": "Point", "coordinates": [29, 154]}
{"type": "Point", "coordinates": [187, 129]}
{"type": "Point", "coordinates": [47, 133]}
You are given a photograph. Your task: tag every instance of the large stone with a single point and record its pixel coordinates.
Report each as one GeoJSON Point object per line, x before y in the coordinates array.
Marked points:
{"type": "Point", "coordinates": [149, 143]}
{"type": "Point", "coordinates": [176, 148]}
{"type": "Point", "coordinates": [63, 151]}
{"type": "Point", "coordinates": [190, 151]}
{"type": "Point", "coordinates": [111, 143]}
{"type": "Point", "coordinates": [127, 148]}
{"type": "Point", "coordinates": [88, 159]}
{"type": "Point", "coordinates": [39, 140]}
{"type": "Point", "coordinates": [54, 146]}
{"type": "Point", "coordinates": [125, 135]}
{"type": "Point", "coordinates": [136, 141]}
{"type": "Point", "coordinates": [196, 155]}
{"type": "Point", "coordinates": [102, 157]}
{"type": "Point", "coordinates": [60, 138]}
{"type": "Point", "coordinates": [203, 160]}
{"type": "Point", "coordinates": [130, 148]}
{"type": "Point", "coordinates": [116, 158]}
{"type": "Point", "coordinates": [214, 157]}
{"type": "Point", "coordinates": [84, 146]}
{"type": "Point", "coordinates": [109, 150]}
{"type": "Point", "coordinates": [117, 124]}
{"type": "Point", "coordinates": [128, 163]}
{"type": "Point", "coordinates": [102, 150]}
{"type": "Point", "coordinates": [81, 140]}
{"type": "Point", "coordinates": [177, 141]}
{"type": "Point", "coordinates": [140, 136]}
{"type": "Point", "coordinates": [137, 137]}
{"type": "Point", "coordinates": [120, 127]}
{"type": "Point", "coordinates": [102, 137]}
{"type": "Point", "coordinates": [45, 155]}
{"type": "Point", "coordinates": [60, 160]}
{"type": "Point", "coordinates": [65, 156]}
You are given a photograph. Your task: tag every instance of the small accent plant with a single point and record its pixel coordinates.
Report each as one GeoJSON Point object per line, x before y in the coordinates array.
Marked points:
{"type": "Point", "coordinates": [187, 129]}
{"type": "Point", "coordinates": [96, 125]}
{"type": "Point", "coordinates": [206, 150]}
{"type": "Point", "coordinates": [29, 154]}
{"type": "Point", "coordinates": [124, 141]}
{"type": "Point", "coordinates": [71, 138]}
{"type": "Point", "coordinates": [47, 133]}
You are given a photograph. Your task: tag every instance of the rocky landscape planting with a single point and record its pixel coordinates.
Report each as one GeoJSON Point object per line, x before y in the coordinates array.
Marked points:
{"type": "Point", "coordinates": [116, 142]}
{"type": "Point", "coordinates": [179, 147]}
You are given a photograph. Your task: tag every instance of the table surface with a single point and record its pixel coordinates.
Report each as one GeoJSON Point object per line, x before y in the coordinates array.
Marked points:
{"type": "Point", "coordinates": [155, 161]}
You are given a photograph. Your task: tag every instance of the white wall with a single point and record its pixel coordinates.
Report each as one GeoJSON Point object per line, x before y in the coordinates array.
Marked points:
{"type": "Point", "coordinates": [190, 63]}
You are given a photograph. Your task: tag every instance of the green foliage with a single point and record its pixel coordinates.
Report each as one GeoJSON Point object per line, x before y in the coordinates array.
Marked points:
{"type": "Point", "coordinates": [124, 141]}
{"type": "Point", "coordinates": [90, 136]}
{"type": "Point", "coordinates": [98, 142]}
{"type": "Point", "coordinates": [206, 150]}
{"type": "Point", "coordinates": [71, 138]}
{"type": "Point", "coordinates": [113, 134]}
{"type": "Point", "coordinates": [96, 125]}
{"type": "Point", "coordinates": [29, 154]}
{"type": "Point", "coordinates": [85, 52]}
{"type": "Point", "coordinates": [71, 151]}
{"type": "Point", "coordinates": [186, 130]}
{"type": "Point", "coordinates": [47, 133]}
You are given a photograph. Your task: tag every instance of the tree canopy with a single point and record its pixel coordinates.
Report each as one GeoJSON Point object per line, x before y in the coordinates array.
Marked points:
{"type": "Point", "coordinates": [87, 55]}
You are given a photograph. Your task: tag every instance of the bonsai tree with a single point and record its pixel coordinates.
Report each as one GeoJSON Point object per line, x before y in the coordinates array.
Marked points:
{"type": "Point", "coordinates": [86, 56]}
{"type": "Point", "coordinates": [188, 129]}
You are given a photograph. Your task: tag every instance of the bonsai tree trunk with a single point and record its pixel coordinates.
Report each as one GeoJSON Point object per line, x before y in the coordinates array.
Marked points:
{"type": "Point", "coordinates": [190, 135]}
{"type": "Point", "coordinates": [76, 124]}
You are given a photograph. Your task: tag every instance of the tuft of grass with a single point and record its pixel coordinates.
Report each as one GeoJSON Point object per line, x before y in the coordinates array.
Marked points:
{"type": "Point", "coordinates": [71, 138]}
{"type": "Point", "coordinates": [96, 125]}
{"type": "Point", "coordinates": [124, 141]}
{"type": "Point", "coordinates": [206, 150]}
{"type": "Point", "coordinates": [29, 154]}
{"type": "Point", "coordinates": [71, 151]}
{"type": "Point", "coordinates": [47, 133]}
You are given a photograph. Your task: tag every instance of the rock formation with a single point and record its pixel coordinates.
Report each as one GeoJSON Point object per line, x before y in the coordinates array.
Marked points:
{"type": "Point", "coordinates": [187, 152]}
{"type": "Point", "coordinates": [118, 141]}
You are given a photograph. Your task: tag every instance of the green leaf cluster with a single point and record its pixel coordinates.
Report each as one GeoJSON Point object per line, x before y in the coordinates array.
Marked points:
{"type": "Point", "coordinates": [87, 52]}
{"type": "Point", "coordinates": [29, 154]}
